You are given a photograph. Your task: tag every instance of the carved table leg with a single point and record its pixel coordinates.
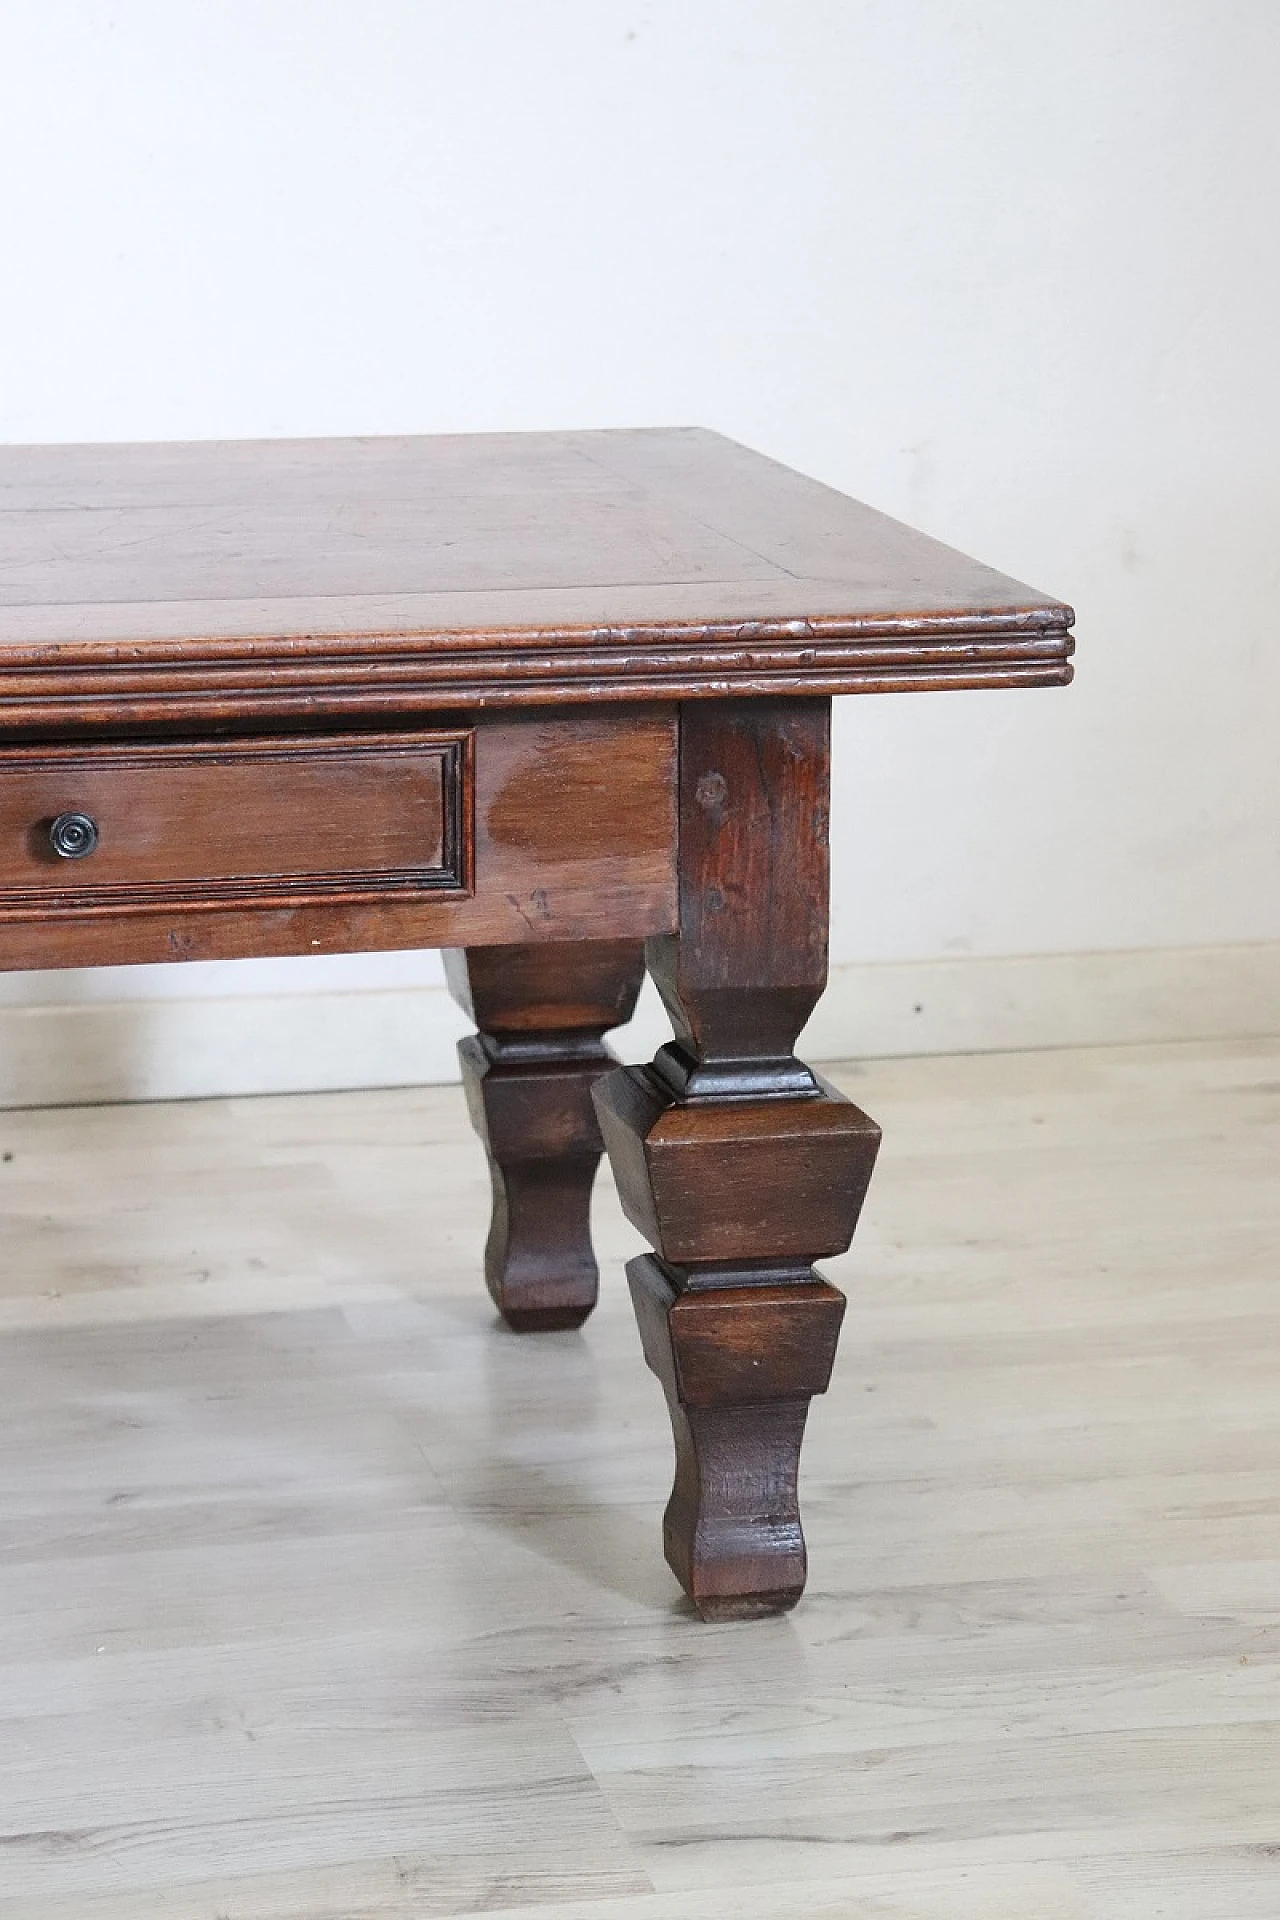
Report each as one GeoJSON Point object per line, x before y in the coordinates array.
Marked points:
{"type": "Point", "coordinates": [738, 1164]}
{"type": "Point", "coordinates": [542, 1011]}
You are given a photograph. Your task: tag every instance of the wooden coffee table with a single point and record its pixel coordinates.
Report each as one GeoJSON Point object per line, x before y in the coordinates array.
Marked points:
{"type": "Point", "coordinates": [559, 703]}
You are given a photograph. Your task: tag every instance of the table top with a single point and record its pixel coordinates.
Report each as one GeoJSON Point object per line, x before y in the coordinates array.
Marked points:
{"type": "Point", "coordinates": [482, 569]}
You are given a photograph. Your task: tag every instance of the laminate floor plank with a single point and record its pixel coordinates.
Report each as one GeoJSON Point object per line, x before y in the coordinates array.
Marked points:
{"type": "Point", "coordinates": [322, 1597]}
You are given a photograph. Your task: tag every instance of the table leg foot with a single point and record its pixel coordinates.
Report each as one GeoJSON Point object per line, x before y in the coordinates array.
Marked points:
{"type": "Point", "coordinates": [738, 1366]}
{"type": "Point", "coordinates": [737, 1196]}
{"type": "Point", "coordinates": [528, 1075]}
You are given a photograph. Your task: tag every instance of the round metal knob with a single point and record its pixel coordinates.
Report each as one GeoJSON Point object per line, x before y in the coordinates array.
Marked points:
{"type": "Point", "coordinates": [73, 836]}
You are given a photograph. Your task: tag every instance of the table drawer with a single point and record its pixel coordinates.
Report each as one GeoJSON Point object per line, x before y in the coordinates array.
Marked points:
{"type": "Point", "coordinates": [130, 827]}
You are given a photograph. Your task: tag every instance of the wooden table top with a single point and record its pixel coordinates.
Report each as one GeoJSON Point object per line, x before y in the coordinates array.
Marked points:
{"type": "Point", "coordinates": [476, 570]}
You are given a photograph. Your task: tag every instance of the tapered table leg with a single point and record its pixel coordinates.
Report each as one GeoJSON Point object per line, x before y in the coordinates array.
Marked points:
{"type": "Point", "coordinates": [738, 1164]}
{"type": "Point", "coordinates": [542, 1011]}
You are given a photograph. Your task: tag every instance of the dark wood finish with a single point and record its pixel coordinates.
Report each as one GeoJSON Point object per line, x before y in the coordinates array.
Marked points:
{"type": "Point", "coordinates": [295, 581]}
{"type": "Point", "coordinates": [570, 819]}
{"type": "Point", "coordinates": [738, 1369]}
{"type": "Point", "coordinates": [269, 822]}
{"type": "Point", "coordinates": [700, 1177]}
{"type": "Point", "coordinates": [542, 1013]}
{"type": "Point", "coordinates": [522, 995]}
{"type": "Point", "coordinates": [737, 1163]}
{"type": "Point", "coordinates": [327, 696]}
{"type": "Point", "coordinates": [750, 961]}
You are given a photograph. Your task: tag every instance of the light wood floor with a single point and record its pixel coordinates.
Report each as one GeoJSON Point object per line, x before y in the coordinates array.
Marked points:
{"type": "Point", "coordinates": [321, 1598]}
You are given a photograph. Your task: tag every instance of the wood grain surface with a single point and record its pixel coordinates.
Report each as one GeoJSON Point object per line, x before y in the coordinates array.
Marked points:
{"type": "Point", "coordinates": [272, 822]}
{"type": "Point", "coordinates": [214, 582]}
{"type": "Point", "coordinates": [573, 838]}
{"type": "Point", "coordinates": [735, 1161]}
{"type": "Point", "coordinates": [542, 1013]}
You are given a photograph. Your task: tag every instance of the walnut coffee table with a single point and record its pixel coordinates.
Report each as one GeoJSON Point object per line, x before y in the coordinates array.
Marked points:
{"type": "Point", "coordinates": [559, 703]}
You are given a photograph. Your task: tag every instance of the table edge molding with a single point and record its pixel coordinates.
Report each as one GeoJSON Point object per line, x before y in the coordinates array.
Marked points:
{"type": "Point", "coordinates": [372, 674]}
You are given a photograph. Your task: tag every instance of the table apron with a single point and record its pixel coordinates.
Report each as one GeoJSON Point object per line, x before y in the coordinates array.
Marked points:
{"type": "Point", "coordinates": [445, 831]}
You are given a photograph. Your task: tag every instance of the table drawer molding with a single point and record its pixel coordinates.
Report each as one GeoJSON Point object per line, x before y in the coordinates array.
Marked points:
{"type": "Point", "coordinates": [204, 824]}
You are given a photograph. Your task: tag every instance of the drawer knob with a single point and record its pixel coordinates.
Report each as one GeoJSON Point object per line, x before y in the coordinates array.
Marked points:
{"type": "Point", "coordinates": [73, 836]}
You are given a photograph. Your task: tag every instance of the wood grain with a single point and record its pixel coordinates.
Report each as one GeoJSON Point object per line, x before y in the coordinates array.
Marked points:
{"type": "Point", "coordinates": [543, 1012]}
{"type": "Point", "coordinates": [574, 838]}
{"type": "Point", "coordinates": [719, 1185]}
{"type": "Point", "coordinates": [749, 961]}
{"type": "Point", "coordinates": [269, 822]}
{"type": "Point", "coordinates": [300, 580]}
{"type": "Point", "coordinates": [738, 1165]}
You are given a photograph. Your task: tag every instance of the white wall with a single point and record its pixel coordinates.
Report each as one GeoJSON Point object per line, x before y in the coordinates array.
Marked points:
{"type": "Point", "coordinates": [1007, 268]}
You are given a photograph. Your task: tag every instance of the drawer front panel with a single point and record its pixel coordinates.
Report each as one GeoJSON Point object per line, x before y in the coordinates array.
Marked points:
{"type": "Point", "coordinates": [202, 824]}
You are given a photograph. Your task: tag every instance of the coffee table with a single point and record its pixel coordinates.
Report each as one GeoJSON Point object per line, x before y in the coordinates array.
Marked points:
{"type": "Point", "coordinates": [559, 704]}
